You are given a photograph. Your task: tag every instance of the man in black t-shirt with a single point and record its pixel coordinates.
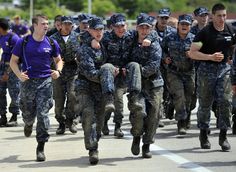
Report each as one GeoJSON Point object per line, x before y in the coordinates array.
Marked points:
{"type": "Point", "coordinates": [213, 47]}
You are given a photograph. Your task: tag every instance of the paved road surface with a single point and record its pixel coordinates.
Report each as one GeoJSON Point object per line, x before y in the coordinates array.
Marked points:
{"type": "Point", "coordinates": [67, 153]}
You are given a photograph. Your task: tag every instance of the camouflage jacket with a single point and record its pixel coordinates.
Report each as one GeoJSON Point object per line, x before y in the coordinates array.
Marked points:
{"type": "Point", "coordinates": [68, 52]}
{"type": "Point", "coordinates": [175, 48]}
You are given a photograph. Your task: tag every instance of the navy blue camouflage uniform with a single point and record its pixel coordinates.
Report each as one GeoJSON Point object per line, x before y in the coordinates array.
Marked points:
{"type": "Point", "coordinates": [89, 93]}
{"type": "Point", "coordinates": [63, 87]}
{"type": "Point", "coordinates": [149, 59]}
{"type": "Point", "coordinates": [180, 73]}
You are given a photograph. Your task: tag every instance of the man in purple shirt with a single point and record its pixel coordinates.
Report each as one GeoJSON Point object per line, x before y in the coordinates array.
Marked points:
{"type": "Point", "coordinates": [18, 28]}
{"type": "Point", "coordinates": [35, 53]}
{"type": "Point", "coordinates": [8, 79]}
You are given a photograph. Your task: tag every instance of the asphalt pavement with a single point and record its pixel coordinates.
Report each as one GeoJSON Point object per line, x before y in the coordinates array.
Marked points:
{"type": "Point", "coordinates": [171, 153]}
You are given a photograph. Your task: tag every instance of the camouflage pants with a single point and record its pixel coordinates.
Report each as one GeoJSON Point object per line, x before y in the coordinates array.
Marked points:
{"type": "Point", "coordinates": [133, 77]}
{"type": "Point", "coordinates": [64, 97]}
{"type": "Point", "coordinates": [181, 87]}
{"type": "Point", "coordinates": [145, 122]}
{"type": "Point", "coordinates": [119, 105]}
{"type": "Point", "coordinates": [211, 88]}
{"type": "Point", "coordinates": [92, 110]}
{"type": "Point", "coordinates": [35, 102]}
{"type": "Point", "coordinates": [13, 87]}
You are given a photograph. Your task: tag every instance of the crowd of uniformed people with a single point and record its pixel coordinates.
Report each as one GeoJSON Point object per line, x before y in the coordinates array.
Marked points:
{"type": "Point", "coordinates": [163, 66]}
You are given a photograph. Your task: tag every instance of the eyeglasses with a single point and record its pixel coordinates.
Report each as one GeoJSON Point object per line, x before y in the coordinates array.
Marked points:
{"type": "Point", "coordinates": [164, 18]}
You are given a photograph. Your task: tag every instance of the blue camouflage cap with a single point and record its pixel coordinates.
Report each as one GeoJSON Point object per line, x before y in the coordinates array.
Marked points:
{"type": "Point", "coordinates": [144, 19]}
{"type": "Point", "coordinates": [118, 19]}
{"type": "Point", "coordinates": [96, 23]}
{"type": "Point", "coordinates": [200, 10]}
{"type": "Point", "coordinates": [66, 19]}
{"type": "Point", "coordinates": [185, 18]}
{"type": "Point", "coordinates": [164, 12]}
{"type": "Point", "coordinates": [83, 18]}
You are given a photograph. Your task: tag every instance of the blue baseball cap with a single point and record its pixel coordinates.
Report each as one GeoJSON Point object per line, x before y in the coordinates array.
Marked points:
{"type": "Point", "coordinates": [83, 18]}
{"type": "Point", "coordinates": [200, 10]}
{"type": "Point", "coordinates": [144, 19]}
{"type": "Point", "coordinates": [164, 12]}
{"type": "Point", "coordinates": [185, 18]}
{"type": "Point", "coordinates": [118, 19]}
{"type": "Point", "coordinates": [66, 19]}
{"type": "Point", "coordinates": [96, 23]}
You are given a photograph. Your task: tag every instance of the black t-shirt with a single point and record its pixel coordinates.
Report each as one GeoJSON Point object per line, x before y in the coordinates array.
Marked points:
{"type": "Point", "coordinates": [216, 41]}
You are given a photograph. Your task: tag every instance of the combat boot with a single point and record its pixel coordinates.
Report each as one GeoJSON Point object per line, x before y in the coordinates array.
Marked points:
{"type": "Point", "coordinates": [181, 127]}
{"type": "Point", "coordinates": [105, 129]}
{"type": "Point", "coordinates": [109, 103]}
{"type": "Point", "coordinates": [118, 132]}
{"type": "Point", "coordinates": [188, 121]}
{"type": "Point", "coordinates": [133, 103]}
{"type": "Point", "coordinates": [40, 156]}
{"type": "Point", "coordinates": [203, 137]}
{"type": "Point", "coordinates": [3, 120]}
{"type": "Point", "coordinates": [28, 130]}
{"type": "Point", "coordinates": [93, 157]}
{"type": "Point", "coordinates": [223, 142]}
{"type": "Point", "coordinates": [13, 121]}
{"type": "Point", "coordinates": [145, 151]}
{"type": "Point", "coordinates": [61, 129]}
{"type": "Point", "coordinates": [135, 145]}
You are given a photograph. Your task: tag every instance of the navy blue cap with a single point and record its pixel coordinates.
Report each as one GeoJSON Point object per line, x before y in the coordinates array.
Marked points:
{"type": "Point", "coordinates": [118, 19]}
{"type": "Point", "coordinates": [185, 18]}
{"type": "Point", "coordinates": [144, 19]}
{"type": "Point", "coordinates": [200, 10]}
{"type": "Point", "coordinates": [66, 19]}
{"type": "Point", "coordinates": [164, 12]}
{"type": "Point", "coordinates": [96, 23]}
{"type": "Point", "coordinates": [83, 18]}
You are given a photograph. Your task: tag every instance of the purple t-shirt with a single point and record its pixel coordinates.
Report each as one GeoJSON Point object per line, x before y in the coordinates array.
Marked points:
{"type": "Point", "coordinates": [19, 29]}
{"type": "Point", "coordinates": [7, 46]}
{"type": "Point", "coordinates": [38, 56]}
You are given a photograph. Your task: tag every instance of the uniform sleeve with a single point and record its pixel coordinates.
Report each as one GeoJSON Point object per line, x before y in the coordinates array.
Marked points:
{"type": "Point", "coordinates": [56, 51]}
{"type": "Point", "coordinates": [233, 71]}
{"type": "Point", "coordinates": [154, 60]}
{"type": "Point", "coordinates": [87, 65]}
{"type": "Point", "coordinates": [164, 46]}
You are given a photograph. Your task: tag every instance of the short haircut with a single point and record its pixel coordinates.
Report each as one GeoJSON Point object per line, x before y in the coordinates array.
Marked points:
{"type": "Point", "coordinates": [57, 18]}
{"type": "Point", "coordinates": [4, 24]}
{"type": "Point", "coordinates": [218, 7]}
{"type": "Point", "coordinates": [35, 19]}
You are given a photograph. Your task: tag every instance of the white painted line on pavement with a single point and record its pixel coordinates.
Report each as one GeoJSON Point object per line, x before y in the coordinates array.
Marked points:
{"type": "Point", "coordinates": [184, 163]}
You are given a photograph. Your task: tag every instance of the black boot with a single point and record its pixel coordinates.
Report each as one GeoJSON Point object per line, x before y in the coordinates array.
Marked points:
{"type": "Point", "coordinates": [145, 151]}
{"type": "Point", "coordinates": [109, 103]}
{"type": "Point", "coordinates": [28, 130]}
{"type": "Point", "coordinates": [223, 142]}
{"type": "Point", "coordinates": [105, 129]}
{"type": "Point", "coordinates": [3, 120]}
{"type": "Point", "coordinates": [61, 129]}
{"type": "Point", "coordinates": [13, 121]}
{"type": "Point", "coordinates": [118, 132]}
{"type": "Point", "coordinates": [40, 156]}
{"type": "Point", "coordinates": [203, 137]}
{"type": "Point", "coordinates": [93, 157]}
{"type": "Point", "coordinates": [181, 127]}
{"type": "Point", "coordinates": [135, 145]}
